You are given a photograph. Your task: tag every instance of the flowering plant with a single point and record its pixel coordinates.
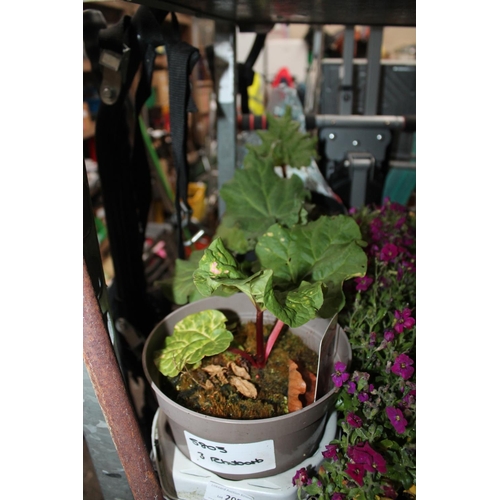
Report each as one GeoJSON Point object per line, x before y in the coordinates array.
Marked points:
{"type": "Point", "coordinates": [374, 454]}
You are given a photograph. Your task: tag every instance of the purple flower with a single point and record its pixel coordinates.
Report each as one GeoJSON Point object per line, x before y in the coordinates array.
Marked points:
{"type": "Point", "coordinates": [402, 366]}
{"type": "Point", "coordinates": [389, 252]}
{"type": "Point", "coordinates": [399, 223]}
{"type": "Point", "coordinates": [362, 284]}
{"type": "Point", "coordinates": [356, 472]}
{"type": "Point", "coordinates": [411, 397]}
{"type": "Point", "coordinates": [331, 452]}
{"type": "Point", "coordinates": [353, 420]}
{"type": "Point", "coordinates": [363, 396]}
{"type": "Point", "coordinates": [364, 454]}
{"type": "Point", "coordinates": [389, 491]}
{"type": "Point", "coordinates": [351, 387]}
{"type": "Point", "coordinates": [403, 320]}
{"type": "Point", "coordinates": [397, 419]}
{"type": "Point", "coordinates": [301, 478]}
{"type": "Point", "coordinates": [376, 230]}
{"type": "Point", "coordinates": [339, 376]}
{"type": "Point", "coordinates": [389, 335]}
{"type": "Point", "coordinates": [338, 496]}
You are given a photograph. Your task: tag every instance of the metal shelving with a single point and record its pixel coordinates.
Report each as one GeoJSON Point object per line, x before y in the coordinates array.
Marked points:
{"type": "Point", "coordinates": [247, 15]}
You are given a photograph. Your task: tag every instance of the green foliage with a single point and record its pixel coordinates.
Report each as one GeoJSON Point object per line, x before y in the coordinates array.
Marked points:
{"type": "Point", "coordinates": [194, 337]}
{"type": "Point", "coordinates": [284, 144]}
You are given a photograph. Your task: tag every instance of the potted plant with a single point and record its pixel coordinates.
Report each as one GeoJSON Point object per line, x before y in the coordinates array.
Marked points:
{"type": "Point", "coordinates": [272, 263]}
{"type": "Point", "coordinates": [375, 454]}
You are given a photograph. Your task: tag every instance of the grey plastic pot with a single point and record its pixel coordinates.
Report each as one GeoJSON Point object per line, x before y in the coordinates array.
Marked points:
{"type": "Point", "coordinates": [242, 449]}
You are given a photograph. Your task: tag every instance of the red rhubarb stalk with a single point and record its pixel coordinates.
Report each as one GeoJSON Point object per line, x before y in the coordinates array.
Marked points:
{"type": "Point", "coordinates": [272, 338]}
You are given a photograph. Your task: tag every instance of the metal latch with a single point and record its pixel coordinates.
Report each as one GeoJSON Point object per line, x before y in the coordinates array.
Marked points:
{"type": "Point", "coordinates": [360, 169]}
{"type": "Point", "coordinates": [114, 70]}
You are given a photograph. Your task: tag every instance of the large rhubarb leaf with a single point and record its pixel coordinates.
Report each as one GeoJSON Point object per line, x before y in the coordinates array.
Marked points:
{"type": "Point", "coordinates": [325, 251]}
{"type": "Point", "coordinates": [256, 198]}
{"type": "Point", "coordinates": [234, 238]}
{"type": "Point", "coordinates": [194, 337]}
{"type": "Point", "coordinates": [179, 288]}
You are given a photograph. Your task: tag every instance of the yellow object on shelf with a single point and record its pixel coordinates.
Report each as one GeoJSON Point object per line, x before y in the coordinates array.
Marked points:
{"type": "Point", "coordinates": [196, 200]}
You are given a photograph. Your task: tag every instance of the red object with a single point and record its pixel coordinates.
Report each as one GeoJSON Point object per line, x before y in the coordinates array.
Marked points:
{"type": "Point", "coordinates": [283, 75]}
{"type": "Point", "coordinates": [200, 244]}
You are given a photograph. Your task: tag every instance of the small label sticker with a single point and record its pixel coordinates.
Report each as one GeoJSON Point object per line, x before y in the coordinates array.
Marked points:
{"type": "Point", "coordinates": [244, 458]}
{"type": "Point", "coordinates": [216, 491]}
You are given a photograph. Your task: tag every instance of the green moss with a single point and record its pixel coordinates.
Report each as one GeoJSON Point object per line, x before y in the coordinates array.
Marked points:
{"type": "Point", "coordinates": [189, 389]}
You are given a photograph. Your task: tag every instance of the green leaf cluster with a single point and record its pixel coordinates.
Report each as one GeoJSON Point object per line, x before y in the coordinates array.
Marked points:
{"type": "Point", "coordinates": [302, 270]}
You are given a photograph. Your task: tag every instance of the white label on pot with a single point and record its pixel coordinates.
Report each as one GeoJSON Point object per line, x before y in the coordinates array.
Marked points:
{"type": "Point", "coordinates": [244, 458]}
{"type": "Point", "coordinates": [216, 491]}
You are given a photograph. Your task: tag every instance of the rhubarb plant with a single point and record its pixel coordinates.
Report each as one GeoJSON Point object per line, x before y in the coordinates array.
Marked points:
{"type": "Point", "coordinates": [267, 245]}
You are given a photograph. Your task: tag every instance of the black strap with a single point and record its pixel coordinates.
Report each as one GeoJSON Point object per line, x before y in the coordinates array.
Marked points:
{"type": "Point", "coordinates": [123, 167]}
{"type": "Point", "coordinates": [181, 60]}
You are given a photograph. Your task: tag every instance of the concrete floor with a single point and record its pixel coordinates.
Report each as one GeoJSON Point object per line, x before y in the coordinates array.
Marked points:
{"type": "Point", "coordinates": [91, 488]}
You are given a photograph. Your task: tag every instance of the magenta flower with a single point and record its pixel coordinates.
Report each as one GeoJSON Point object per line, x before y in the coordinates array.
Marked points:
{"type": "Point", "coordinates": [411, 397]}
{"type": "Point", "coordinates": [339, 376]}
{"type": "Point", "coordinates": [364, 454]}
{"type": "Point", "coordinates": [402, 366]}
{"type": "Point", "coordinates": [331, 452]}
{"type": "Point", "coordinates": [389, 252]}
{"type": "Point", "coordinates": [403, 320]}
{"type": "Point", "coordinates": [362, 284]}
{"type": "Point", "coordinates": [353, 420]}
{"type": "Point", "coordinates": [338, 496]}
{"type": "Point", "coordinates": [301, 478]}
{"type": "Point", "coordinates": [397, 419]}
{"type": "Point", "coordinates": [376, 229]}
{"type": "Point", "coordinates": [389, 335]}
{"type": "Point", "coordinates": [363, 397]}
{"type": "Point", "coordinates": [389, 492]}
{"type": "Point", "coordinates": [399, 223]}
{"type": "Point", "coordinates": [357, 472]}
{"type": "Point", "coordinates": [351, 387]}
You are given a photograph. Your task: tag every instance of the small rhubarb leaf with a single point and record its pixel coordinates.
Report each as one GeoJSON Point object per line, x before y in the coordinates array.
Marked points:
{"type": "Point", "coordinates": [296, 307]}
{"type": "Point", "coordinates": [218, 272]}
{"type": "Point", "coordinates": [194, 337]}
{"type": "Point", "coordinates": [285, 143]}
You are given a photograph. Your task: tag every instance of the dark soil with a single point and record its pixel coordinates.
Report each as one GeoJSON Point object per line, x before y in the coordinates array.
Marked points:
{"type": "Point", "coordinates": [213, 394]}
